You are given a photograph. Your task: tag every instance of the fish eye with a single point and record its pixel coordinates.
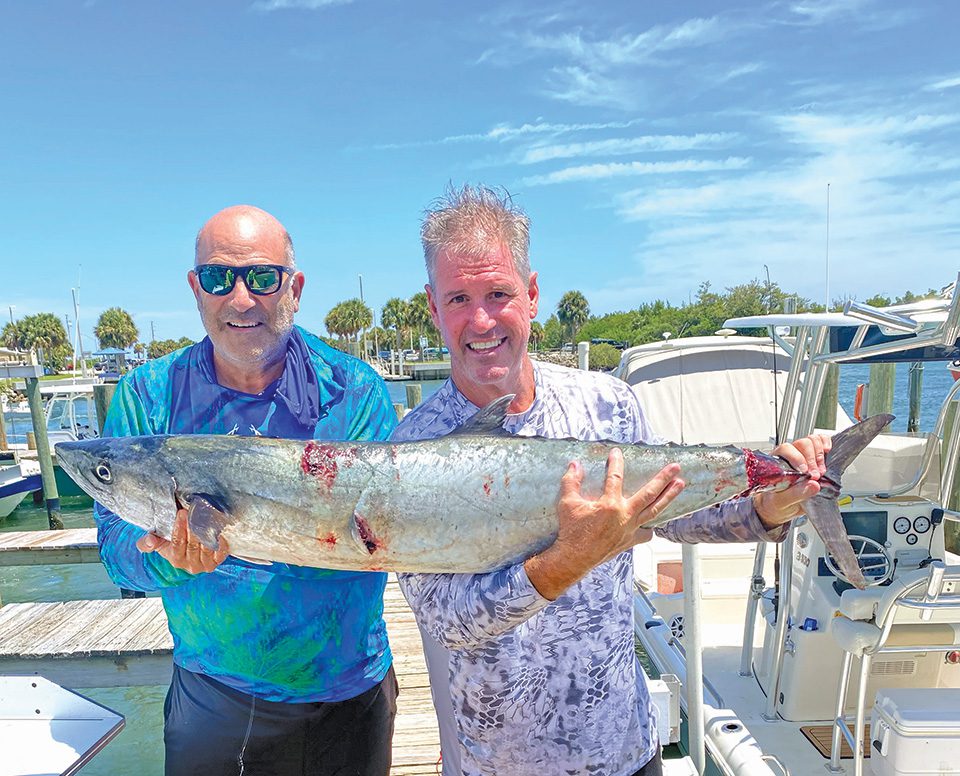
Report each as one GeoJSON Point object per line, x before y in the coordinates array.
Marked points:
{"type": "Point", "coordinates": [103, 472]}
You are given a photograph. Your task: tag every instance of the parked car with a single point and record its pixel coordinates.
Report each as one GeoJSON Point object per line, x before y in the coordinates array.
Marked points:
{"type": "Point", "coordinates": [410, 355]}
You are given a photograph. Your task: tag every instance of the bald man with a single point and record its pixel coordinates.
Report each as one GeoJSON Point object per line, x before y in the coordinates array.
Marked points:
{"type": "Point", "coordinates": [278, 669]}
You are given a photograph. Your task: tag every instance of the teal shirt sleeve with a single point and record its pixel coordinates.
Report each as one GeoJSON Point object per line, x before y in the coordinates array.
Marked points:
{"type": "Point", "coordinates": [126, 565]}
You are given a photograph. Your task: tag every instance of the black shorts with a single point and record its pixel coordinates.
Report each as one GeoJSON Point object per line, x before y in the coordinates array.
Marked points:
{"type": "Point", "coordinates": [652, 768]}
{"type": "Point", "coordinates": [213, 730]}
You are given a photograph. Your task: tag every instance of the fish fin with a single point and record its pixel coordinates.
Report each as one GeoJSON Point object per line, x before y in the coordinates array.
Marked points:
{"type": "Point", "coordinates": [489, 420]}
{"type": "Point", "coordinates": [849, 443]}
{"type": "Point", "coordinates": [824, 515]}
{"type": "Point", "coordinates": [207, 518]}
{"type": "Point", "coordinates": [822, 509]}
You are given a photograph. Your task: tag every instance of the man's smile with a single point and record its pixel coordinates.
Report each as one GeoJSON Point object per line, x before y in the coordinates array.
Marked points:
{"type": "Point", "coordinates": [486, 344]}
{"type": "Point", "coordinates": [250, 325]}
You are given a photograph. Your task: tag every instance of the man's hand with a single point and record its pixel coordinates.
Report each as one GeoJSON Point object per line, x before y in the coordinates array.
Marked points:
{"type": "Point", "coordinates": [805, 455]}
{"type": "Point", "coordinates": [591, 532]}
{"type": "Point", "coordinates": [183, 550]}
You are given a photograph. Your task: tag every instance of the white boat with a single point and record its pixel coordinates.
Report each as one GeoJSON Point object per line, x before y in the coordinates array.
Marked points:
{"type": "Point", "coordinates": [70, 412]}
{"type": "Point", "coordinates": [771, 662]}
{"type": "Point", "coordinates": [16, 481]}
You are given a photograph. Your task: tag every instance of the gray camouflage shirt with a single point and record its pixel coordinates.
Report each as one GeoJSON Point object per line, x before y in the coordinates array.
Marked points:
{"type": "Point", "coordinates": [529, 686]}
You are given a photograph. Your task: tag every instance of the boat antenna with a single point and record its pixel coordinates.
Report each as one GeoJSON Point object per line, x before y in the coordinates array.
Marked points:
{"type": "Point", "coordinates": [773, 346]}
{"type": "Point", "coordinates": [827, 259]}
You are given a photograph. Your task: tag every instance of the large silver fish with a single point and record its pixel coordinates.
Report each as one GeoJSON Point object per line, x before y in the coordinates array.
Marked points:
{"type": "Point", "coordinates": [475, 500]}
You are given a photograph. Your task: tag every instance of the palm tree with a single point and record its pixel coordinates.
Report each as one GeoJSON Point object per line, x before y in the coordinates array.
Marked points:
{"type": "Point", "coordinates": [45, 333]}
{"type": "Point", "coordinates": [419, 316]}
{"type": "Point", "coordinates": [396, 315]}
{"type": "Point", "coordinates": [536, 335]}
{"type": "Point", "coordinates": [356, 317]}
{"type": "Point", "coordinates": [335, 322]}
{"type": "Point", "coordinates": [572, 311]}
{"type": "Point", "coordinates": [12, 336]}
{"type": "Point", "coordinates": [115, 329]}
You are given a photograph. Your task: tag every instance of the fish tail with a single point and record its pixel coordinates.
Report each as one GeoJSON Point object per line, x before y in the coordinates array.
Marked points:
{"type": "Point", "coordinates": [823, 510]}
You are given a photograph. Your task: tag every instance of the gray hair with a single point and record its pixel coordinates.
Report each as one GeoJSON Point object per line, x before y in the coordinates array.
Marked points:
{"type": "Point", "coordinates": [473, 220]}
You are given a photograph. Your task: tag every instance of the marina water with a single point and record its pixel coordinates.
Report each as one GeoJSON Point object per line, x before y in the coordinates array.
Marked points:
{"type": "Point", "coordinates": [139, 748]}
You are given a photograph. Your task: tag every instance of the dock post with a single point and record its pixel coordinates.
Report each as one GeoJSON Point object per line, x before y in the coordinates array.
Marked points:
{"type": "Point", "coordinates": [880, 398]}
{"type": "Point", "coordinates": [50, 494]}
{"type": "Point", "coordinates": [3, 434]}
{"type": "Point", "coordinates": [916, 389]}
{"type": "Point", "coordinates": [398, 408]}
{"type": "Point", "coordinates": [414, 395]}
{"type": "Point", "coordinates": [583, 356]}
{"type": "Point", "coordinates": [827, 411]}
{"type": "Point", "coordinates": [102, 396]}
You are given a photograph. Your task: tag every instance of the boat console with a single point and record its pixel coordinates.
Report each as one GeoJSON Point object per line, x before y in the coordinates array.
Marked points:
{"type": "Point", "coordinates": [892, 537]}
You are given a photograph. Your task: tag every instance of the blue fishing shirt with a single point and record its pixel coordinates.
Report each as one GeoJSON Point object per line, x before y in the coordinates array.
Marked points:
{"type": "Point", "coordinates": [279, 632]}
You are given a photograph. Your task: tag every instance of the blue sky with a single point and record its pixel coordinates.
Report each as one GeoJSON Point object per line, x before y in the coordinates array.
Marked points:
{"type": "Point", "coordinates": [655, 145]}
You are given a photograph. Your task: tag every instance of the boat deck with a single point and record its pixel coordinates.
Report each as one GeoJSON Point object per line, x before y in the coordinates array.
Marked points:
{"type": "Point", "coordinates": [123, 642]}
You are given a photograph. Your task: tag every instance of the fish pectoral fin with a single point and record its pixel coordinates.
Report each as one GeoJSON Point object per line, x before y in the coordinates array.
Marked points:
{"type": "Point", "coordinates": [488, 421]}
{"type": "Point", "coordinates": [364, 535]}
{"type": "Point", "coordinates": [207, 519]}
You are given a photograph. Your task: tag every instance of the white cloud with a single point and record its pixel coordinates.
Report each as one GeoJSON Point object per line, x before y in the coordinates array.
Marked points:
{"type": "Point", "coordinates": [892, 205]}
{"type": "Point", "coordinates": [628, 145]}
{"type": "Point", "coordinates": [505, 132]}
{"type": "Point", "coordinates": [619, 169]}
{"type": "Point", "coordinates": [946, 83]}
{"type": "Point", "coordinates": [820, 11]}
{"type": "Point", "coordinates": [305, 5]}
{"type": "Point", "coordinates": [603, 54]}
{"type": "Point", "coordinates": [582, 87]}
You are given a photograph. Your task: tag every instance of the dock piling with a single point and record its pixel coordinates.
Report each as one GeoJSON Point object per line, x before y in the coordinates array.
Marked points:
{"type": "Point", "coordinates": [50, 494]}
{"type": "Point", "coordinates": [414, 395]}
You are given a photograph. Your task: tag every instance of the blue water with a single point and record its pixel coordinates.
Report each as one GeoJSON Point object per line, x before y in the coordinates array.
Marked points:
{"type": "Point", "coordinates": [937, 381]}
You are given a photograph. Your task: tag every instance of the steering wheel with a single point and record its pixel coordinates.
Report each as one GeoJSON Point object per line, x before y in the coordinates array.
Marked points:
{"type": "Point", "coordinates": [872, 557]}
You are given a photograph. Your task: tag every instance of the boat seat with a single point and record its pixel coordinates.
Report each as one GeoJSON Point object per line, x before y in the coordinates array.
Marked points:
{"type": "Point", "coordinates": [864, 627]}
{"type": "Point", "coordinates": [856, 637]}
{"type": "Point", "coordinates": [861, 604]}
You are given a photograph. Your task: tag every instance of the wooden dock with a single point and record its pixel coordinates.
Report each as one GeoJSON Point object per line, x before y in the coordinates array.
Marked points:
{"type": "Point", "coordinates": [47, 548]}
{"type": "Point", "coordinates": [122, 642]}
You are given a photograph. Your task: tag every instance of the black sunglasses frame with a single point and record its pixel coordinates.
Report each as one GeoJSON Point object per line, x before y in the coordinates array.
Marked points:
{"type": "Point", "coordinates": [241, 273]}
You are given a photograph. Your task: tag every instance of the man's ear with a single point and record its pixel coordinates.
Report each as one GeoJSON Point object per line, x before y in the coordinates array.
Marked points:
{"type": "Point", "coordinates": [533, 292]}
{"type": "Point", "coordinates": [297, 282]}
{"type": "Point", "coordinates": [194, 284]}
{"type": "Point", "coordinates": [432, 304]}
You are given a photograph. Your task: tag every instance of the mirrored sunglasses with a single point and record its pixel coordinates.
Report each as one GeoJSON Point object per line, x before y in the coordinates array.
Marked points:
{"type": "Point", "coordinates": [260, 279]}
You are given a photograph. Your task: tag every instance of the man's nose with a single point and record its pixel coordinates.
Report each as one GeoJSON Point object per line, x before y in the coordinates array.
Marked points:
{"type": "Point", "coordinates": [482, 321]}
{"type": "Point", "coordinates": [241, 299]}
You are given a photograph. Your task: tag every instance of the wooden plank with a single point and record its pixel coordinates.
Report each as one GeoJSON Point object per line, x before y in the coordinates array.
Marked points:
{"type": "Point", "coordinates": [47, 548]}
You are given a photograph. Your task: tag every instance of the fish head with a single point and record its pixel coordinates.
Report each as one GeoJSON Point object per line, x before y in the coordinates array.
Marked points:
{"type": "Point", "coordinates": [126, 475]}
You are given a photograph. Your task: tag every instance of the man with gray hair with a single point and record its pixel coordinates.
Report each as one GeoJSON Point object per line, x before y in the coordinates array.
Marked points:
{"type": "Point", "coordinates": [532, 667]}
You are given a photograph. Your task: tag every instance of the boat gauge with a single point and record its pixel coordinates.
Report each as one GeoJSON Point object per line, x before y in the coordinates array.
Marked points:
{"type": "Point", "coordinates": [921, 524]}
{"type": "Point", "coordinates": [911, 539]}
{"type": "Point", "coordinates": [901, 525]}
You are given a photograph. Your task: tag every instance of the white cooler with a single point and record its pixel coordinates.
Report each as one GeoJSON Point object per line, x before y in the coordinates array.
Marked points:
{"type": "Point", "coordinates": [915, 731]}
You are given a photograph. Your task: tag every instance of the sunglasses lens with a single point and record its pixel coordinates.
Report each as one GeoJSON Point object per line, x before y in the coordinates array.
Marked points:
{"type": "Point", "coordinates": [263, 280]}
{"type": "Point", "coordinates": [215, 279]}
